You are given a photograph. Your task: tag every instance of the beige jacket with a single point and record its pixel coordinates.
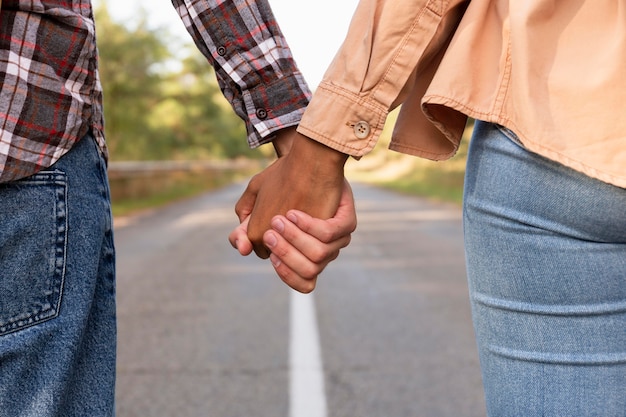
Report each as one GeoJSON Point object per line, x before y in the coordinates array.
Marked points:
{"type": "Point", "coordinates": [552, 71]}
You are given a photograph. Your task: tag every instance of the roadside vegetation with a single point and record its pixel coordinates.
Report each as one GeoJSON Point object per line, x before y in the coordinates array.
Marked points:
{"type": "Point", "coordinates": [441, 181]}
{"type": "Point", "coordinates": [162, 103]}
{"type": "Point", "coordinates": [134, 192]}
{"type": "Point", "coordinates": [161, 99]}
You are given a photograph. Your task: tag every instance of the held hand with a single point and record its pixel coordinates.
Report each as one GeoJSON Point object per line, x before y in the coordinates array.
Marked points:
{"type": "Point", "coordinates": [309, 178]}
{"type": "Point", "coordinates": [238, 238]}
{"type": "Point", "coordinates": [302, 246]}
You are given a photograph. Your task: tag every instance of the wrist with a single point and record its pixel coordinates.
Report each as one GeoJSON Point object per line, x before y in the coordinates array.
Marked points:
{"type": "Point", "coordinates": [310, 150]}
{"type": "Point", "coordinates": [283, 141]}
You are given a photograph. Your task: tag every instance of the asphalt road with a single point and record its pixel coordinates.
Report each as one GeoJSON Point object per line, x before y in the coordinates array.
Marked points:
{"type": "Point", "coordinates": [204, 332]}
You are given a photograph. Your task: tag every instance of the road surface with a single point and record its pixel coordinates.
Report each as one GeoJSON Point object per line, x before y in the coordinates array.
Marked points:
{"type": "Point", "coordinates": [205, 332]}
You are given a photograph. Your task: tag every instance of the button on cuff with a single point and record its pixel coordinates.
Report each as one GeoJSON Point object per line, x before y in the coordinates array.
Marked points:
{"type": "Point", "coordinates": [362, 130]}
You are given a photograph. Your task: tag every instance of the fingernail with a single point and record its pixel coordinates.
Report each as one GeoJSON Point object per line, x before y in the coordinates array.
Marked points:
{"type": "Point", "coordinates": [270, 240]}
{"type": "Point", "coordinates": [278, 225]}
{"type": "Point", "coordinates": [236, 246]}
{"type": "Point", "coordinates": [292, 218]}
{"type": "Point", "coordinates": [275, 261]}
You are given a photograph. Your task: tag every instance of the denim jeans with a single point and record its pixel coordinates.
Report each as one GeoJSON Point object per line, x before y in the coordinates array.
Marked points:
{"type": "Point", "coordinates": [546, 260]}
{"type": "Point", "coordinates": [57, 290]}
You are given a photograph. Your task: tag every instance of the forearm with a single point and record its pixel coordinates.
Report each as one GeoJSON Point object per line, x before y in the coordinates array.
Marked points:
{"type": "Point", "coordinates": [387, 45]}
{"type": "Point", "coordinates": [253, 64]}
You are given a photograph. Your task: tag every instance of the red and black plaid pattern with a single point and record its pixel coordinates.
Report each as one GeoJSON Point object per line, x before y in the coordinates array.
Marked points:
{"type": "Point", "coordinates": [49, 90]}
{"type": "Point", "coordinates": [50, 94]}
{"type": "Point", "coordinates": [254, 65]}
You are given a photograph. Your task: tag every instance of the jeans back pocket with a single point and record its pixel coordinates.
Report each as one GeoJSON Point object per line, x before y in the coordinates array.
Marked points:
{"type": "Point", "coordinates": [33, 238]}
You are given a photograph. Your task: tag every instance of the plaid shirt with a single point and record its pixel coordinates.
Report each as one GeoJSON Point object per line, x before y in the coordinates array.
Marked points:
{"type": "Point", "coordinates": [50, 93]}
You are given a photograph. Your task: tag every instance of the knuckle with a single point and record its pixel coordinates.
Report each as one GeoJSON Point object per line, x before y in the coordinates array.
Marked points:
{"type": "Point", "coordinates": [280, 250]}
{"type": "Point", "coordinates": [310, 272]}
{"type": "Point", "coordinates": [299, 283]}
{"type": "Point", "coordinates": [320, 255]}
{"type": "Point", "coordinates": [327, 236]}
{"type": "Point", "coordinates": [239, 207]}
{"type": "Point", "coordinates": [252, 184]}
{"type": "Point", "coordinates": [343, 242]}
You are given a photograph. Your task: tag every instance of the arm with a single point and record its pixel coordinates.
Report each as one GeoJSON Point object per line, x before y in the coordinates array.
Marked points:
{"type": "Point", "coordinates": [258, 76]}
{"type": "Point", "coordinates": [309, 178]}
{"type": "Point", "coordinates": [252, 61]}
{"type": "Point", "coordinates": [389, 57]}
{"type": "Point", "coordinates": [389, 46]}
{"type": "Point", "coordinates": [365, 81]}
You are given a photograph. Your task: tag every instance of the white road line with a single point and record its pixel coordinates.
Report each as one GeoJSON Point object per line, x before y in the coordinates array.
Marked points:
{"type": "Point", "coordinates": [306, 380]}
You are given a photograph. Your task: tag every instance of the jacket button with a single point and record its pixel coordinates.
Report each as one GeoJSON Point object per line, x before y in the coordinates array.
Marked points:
{"type": "Point", "coordinates": [362, 130]}
{"type": "Point", "coordinates": [261, 114]}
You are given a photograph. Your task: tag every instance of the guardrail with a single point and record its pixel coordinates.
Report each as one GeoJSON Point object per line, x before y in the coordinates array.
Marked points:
{"type": "Point", "coordinates": [129, 168]}
{"type": "Point", "coordinates": [142, 179]}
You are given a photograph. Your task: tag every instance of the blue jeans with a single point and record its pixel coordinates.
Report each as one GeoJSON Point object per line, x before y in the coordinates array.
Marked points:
{"type": "Point", "coordinates": [546, 260]}
{"type": "Point", "coordinates": [57, 291]}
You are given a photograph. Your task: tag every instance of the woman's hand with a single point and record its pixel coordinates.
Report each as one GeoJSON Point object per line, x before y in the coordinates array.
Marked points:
{"type": "Point", "coordinates": [300, 245]}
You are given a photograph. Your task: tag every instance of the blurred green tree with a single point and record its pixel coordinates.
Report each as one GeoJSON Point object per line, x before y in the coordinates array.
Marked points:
{"type": "Point", "coordinates": [195, 119]}
{"type": "Point", "coordinates": [154, 110]}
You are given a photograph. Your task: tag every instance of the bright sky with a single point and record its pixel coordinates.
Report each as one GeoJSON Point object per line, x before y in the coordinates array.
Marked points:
{"type": "Point", "coordinates": [314, 29]}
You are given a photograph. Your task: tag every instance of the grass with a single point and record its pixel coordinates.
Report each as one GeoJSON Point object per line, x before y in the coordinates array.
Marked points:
{"type": "Point", "coordinates": [158, 198]}
{"type": "Point", "coordinates": [431, 183]}
{"type": "Point", "coordinates": [133, 194]}
{"type": "Point", "coordinates": [441, 181]}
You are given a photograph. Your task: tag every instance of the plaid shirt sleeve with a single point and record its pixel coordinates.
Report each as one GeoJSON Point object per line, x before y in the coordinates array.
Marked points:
{"type": "Point", "coordinates": [253, 63]}
{"type": "Point", "coordinates": [50, 94]}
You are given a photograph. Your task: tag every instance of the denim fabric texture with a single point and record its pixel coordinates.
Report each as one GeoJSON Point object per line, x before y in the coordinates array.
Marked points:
{"type": "Point", "coordinates": [57, 290]}
{"type": "Point", "coordinates": [546, 260]}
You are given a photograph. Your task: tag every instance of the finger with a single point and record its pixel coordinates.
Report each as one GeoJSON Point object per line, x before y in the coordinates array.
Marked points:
{"type": "Point", "coordinates": [314, 249]}
{"type": "Point", "coordinates": [298, 260]}
{"type": "Point", "coordinates": [342, 224]}
{"type": "Point", "coordinates": [238, 238]}
{"type": "Point", "coordinates": [293, 268]}
{"type": "Point", "coordinates": [245, 204]}
{"type": "Point", "coordinates": [259, 246]}
{"type": "Point", "coordinates": [291, 278]}
{"type": "Point", "coordinates": [333, 231]}
{"type": "Point", "coordinates": [244, 208]}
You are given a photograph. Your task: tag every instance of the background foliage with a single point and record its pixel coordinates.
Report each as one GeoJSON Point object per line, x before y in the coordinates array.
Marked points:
{"type": "Point", "coordinates": [158, 106]}
{"type": "Point", "coordinates": [162, 102]}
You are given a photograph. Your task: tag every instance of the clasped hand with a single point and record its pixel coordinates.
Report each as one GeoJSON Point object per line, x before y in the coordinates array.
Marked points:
{"type": "Point", "coordinates": [299, 212]}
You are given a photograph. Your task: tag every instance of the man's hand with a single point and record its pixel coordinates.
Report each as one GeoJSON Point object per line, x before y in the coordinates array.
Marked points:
{"type": "Point", "coordinates": [302, 246]}
{"type": "Point", "coordinates": [308, 178]}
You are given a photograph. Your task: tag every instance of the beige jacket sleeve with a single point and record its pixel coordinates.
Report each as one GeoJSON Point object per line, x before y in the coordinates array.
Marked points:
{"type": "Point", "coordinates": [387, 58]}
